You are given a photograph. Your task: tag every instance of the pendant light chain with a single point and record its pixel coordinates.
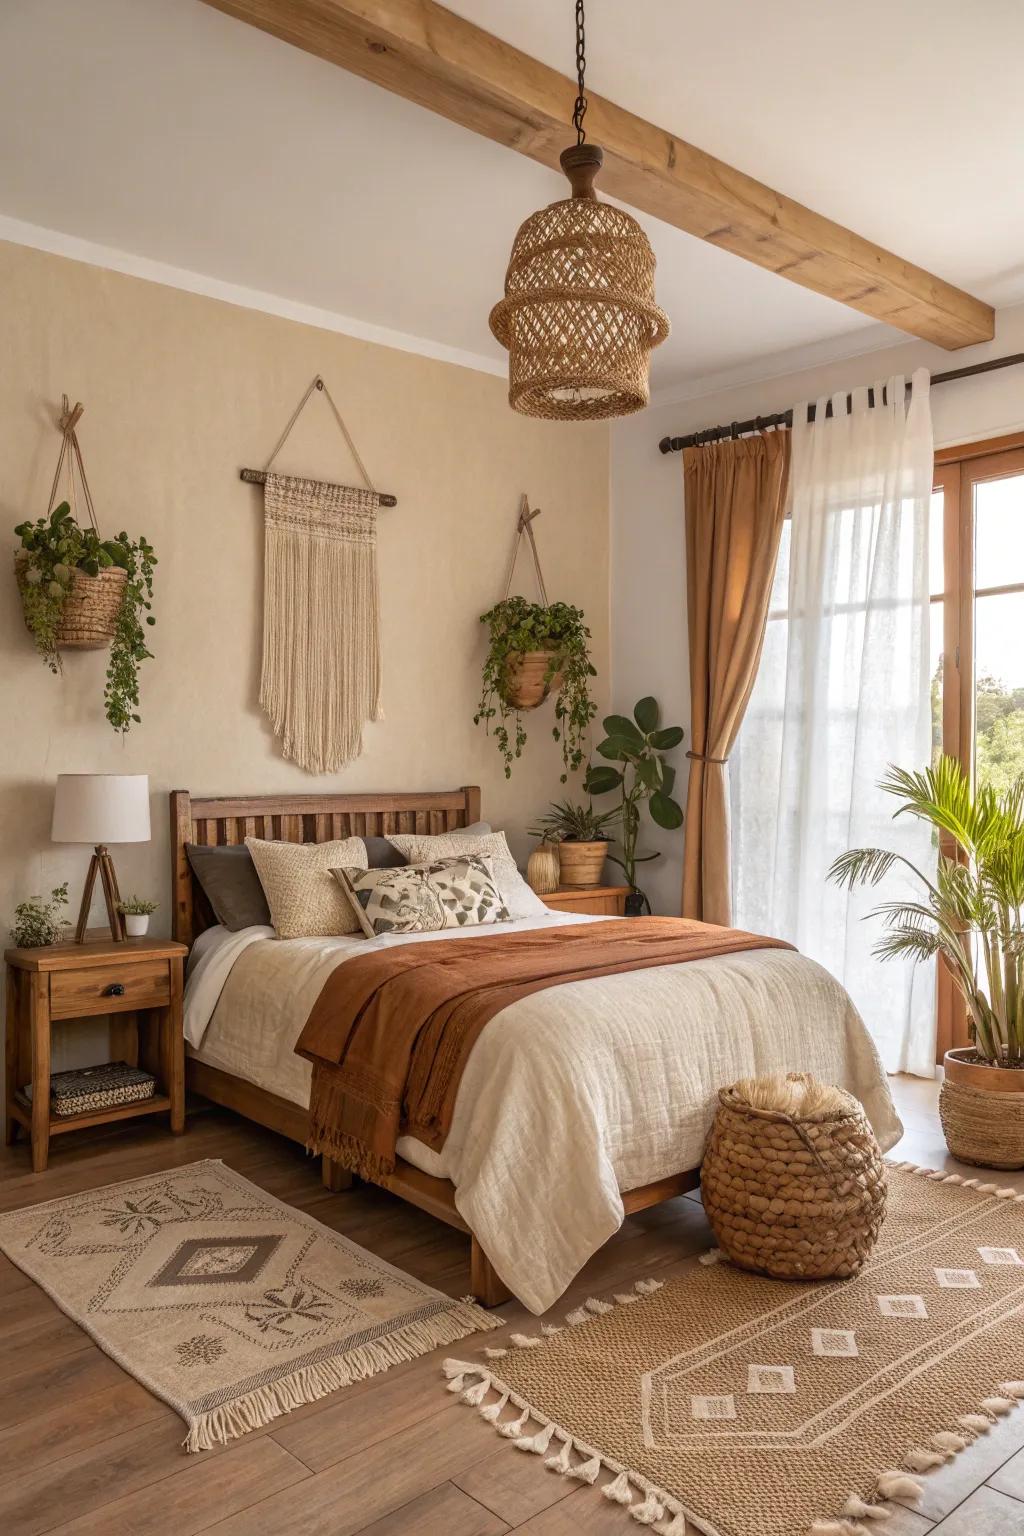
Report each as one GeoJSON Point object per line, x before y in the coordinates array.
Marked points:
{"type": "Point", "coordinates": [579, 110]}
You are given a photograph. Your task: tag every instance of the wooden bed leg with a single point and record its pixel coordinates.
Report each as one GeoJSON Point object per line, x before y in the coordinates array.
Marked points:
{"type": "Point", "coordinates": [483, 1281]}
{"type": "Point", "coordinates": [335, 1177]}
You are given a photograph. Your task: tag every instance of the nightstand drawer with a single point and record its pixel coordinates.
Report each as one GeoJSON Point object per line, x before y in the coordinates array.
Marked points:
{"type": "Point", "coordinates": [99, 989]}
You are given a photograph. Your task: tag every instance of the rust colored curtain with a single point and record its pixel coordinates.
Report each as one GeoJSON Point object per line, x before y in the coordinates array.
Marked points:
{"type": "Point", "coordinates": [735, 504]}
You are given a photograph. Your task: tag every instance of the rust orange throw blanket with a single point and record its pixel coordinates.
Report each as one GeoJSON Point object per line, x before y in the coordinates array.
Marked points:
{"type": "Point", "coordinates": [392, 1030]}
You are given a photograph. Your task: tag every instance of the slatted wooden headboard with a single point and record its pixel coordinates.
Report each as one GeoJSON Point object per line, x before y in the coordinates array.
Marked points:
{"type": "Point", "coordinates": [297, 819]}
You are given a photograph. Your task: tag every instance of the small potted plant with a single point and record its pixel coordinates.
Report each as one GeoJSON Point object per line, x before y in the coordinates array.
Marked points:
{"type": "Point", "coordinates": [79, 591]}
{"type": "Point", "coordinates": [136, 911]}
{"type": "Point", "coordinates": [582, 841]}
{"type": "Point", "coordinates": [535, 651]}
{"type": "Point", "coordinates": [970, 913]}
{"type": "Point", "coordinates": [38, 922]}
{"type": "Point", "coordinates": [643, 776]}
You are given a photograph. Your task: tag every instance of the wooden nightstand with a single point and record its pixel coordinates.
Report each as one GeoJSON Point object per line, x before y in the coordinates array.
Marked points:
{"type": "Point", "coordinates": [598, 900]}
{"type": "Point", "coordinates": [138, 983]}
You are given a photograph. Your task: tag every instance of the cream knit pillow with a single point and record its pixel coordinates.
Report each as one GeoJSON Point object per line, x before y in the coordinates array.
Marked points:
{"type": "Point", "coordinates": [515, 893]}
{"type": "Point", "coordinates": [305, 900]}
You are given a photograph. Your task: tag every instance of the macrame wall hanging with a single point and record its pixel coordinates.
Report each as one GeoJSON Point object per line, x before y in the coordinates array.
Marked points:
{"type": "Point", "coordinates": [320, 681]}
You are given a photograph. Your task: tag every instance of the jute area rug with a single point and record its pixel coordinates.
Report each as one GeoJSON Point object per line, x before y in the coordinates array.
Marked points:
{"type": "Point", "coordinates": [732, 1405]}
{"type": "Point", "coordinates": [229, 1305]}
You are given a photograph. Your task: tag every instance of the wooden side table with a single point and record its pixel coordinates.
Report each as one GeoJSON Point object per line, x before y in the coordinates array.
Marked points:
{"type": "Point", "coordinates": [595, 900]}
{"type": "Point", "coordinates": [138, 982]}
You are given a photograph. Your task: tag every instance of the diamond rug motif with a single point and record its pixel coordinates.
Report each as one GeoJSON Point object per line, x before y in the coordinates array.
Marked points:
{"type": "Point", "coordinates": [226, 1303]}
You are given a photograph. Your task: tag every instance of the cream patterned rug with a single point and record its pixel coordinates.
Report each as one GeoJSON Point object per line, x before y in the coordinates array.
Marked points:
{"type": "Point", "coordinates": [732, 1405]}
{"type": "Point", "coordinates": [229, 1305]}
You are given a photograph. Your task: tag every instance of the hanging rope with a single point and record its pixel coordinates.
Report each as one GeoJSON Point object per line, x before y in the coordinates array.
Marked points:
{"type": "Point", "coordinates": [525, 526]}
{"type": "Point", "coordinates": [319, 384]}
{"type": "Point", "coordinates": [70, 455]}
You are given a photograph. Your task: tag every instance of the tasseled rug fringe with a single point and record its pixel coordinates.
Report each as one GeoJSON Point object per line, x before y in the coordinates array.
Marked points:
{"type": "Point", "coordinates": [312, 1382]}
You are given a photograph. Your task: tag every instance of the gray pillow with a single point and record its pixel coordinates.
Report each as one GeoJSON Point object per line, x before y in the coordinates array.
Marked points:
{"type": "Point", "coordinates": [230, 884]}
{"type": "Point", "coordinates": [380, 854]}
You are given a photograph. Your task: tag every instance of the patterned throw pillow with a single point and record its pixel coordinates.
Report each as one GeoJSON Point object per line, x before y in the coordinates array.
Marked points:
{"type": "Point", "coordinates": [424, 898]}
{"type": "Point", "coordinates": [515, 893]}
{"type": "Point", "coordinates": [304, 900]}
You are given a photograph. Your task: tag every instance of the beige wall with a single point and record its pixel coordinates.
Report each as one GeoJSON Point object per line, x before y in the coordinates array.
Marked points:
{"type": "Point", "coordinates": [180, 391]}
{"type": "Point", "coordinates": [650, 652]}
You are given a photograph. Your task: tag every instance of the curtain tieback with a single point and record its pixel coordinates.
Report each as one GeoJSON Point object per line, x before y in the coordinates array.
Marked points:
{"type": "Point", "coordinates": [702, 757]}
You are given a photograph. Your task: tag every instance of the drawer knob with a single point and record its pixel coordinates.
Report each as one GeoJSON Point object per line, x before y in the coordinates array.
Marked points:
{"type": "Point", "coordinates": [116, 989]}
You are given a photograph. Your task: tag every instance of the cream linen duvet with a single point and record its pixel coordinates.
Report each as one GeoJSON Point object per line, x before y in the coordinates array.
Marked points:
{"type": "Point", "coordinates": [571, 1094]}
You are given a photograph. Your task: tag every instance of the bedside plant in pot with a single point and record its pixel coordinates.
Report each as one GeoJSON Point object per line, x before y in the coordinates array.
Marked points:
{"type": "Point", "coordinates": [137, 912]}
{"type": "Point", "coordinates": [970, 914]}
{"type": "Point", "coordinates": [643, 776]}
{"type": "Point", "coordinates": [582, 841]}
{"type": "Point", "coordinates": [38, 922]}
{"type": "Point", "coordinates": [534, 650]}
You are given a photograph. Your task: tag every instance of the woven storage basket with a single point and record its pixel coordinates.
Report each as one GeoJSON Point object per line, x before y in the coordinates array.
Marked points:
{"type": "Point", "coordinates": [983, 1124]}
{"type": "Point", "coordinates": [793, 1181]}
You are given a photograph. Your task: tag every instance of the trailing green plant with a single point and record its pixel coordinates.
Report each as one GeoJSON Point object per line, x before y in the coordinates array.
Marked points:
{"type": "Point", "coordinates": [565, 822]}
{"type": "Point", "coordinates": [517, 626]}
{"type": "Point", "coordinates": [38, 922]}
{"type": "Point", "coordinates": [970, 912]}
{"type": "Point", "coordinates": [643, 777]}
{"type": "Point", "coordinates": [137, 906]}
{"type": "Point", "coordinates": [52, 549]}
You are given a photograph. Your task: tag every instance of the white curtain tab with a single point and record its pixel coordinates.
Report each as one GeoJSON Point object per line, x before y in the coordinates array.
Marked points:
{"type": "Point", "coordinates": [843, 691]}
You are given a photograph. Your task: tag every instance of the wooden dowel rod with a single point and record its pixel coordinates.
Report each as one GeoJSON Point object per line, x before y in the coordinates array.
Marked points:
{"type": "Point", "coordinates": [259, 477]}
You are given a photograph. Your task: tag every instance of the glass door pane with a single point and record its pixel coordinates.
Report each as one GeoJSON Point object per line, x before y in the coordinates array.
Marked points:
{"type": "Point", "coordinates": [998, 737]}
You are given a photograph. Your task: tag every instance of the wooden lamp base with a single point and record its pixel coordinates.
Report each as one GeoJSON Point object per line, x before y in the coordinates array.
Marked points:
{"type": "Point", "coordinates": [101, 863]}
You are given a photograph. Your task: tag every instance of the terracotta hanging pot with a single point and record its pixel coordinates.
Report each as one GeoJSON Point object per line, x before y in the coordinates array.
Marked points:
{"type": "Point", "coordinates": [527, 684]}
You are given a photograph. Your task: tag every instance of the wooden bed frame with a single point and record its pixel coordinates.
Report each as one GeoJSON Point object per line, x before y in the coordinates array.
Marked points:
{"type": "Point", "coordinates": [220, 822]}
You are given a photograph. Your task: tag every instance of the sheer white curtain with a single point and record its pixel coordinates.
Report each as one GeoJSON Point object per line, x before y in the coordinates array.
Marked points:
{"type": "Point", "coordinates": [843, 690]}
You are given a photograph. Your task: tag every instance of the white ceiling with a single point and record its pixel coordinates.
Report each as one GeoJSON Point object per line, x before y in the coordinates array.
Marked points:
{"type": "Point", "coordinates": [167, 131]}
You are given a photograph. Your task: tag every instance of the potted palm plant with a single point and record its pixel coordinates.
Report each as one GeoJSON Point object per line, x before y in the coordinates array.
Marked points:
{"type": "Point", "coordinates": [970, 914]}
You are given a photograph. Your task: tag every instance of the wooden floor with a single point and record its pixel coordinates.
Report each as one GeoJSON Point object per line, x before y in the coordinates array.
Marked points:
{"type": "Point", "coordinates": [85, 1449]}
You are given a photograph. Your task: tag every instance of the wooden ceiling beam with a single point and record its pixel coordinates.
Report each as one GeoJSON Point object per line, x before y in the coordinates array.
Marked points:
{"type": "Point", "coordinates": [427, 54]}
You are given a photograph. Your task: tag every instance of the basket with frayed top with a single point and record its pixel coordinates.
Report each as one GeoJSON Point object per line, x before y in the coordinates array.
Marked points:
{"type": "Point", "coordinates": [793, 1180]}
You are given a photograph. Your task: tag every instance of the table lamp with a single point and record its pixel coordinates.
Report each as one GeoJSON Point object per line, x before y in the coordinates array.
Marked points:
{"type": "Point", "coordinates": [101, 808]}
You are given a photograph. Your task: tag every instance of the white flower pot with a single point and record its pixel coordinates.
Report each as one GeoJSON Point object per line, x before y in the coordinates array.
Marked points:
{"type": "Point", "coordinates": [136, 924]}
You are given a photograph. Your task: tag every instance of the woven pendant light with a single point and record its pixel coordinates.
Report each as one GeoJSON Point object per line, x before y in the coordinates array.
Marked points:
{"type": "Point", "coordinates": [579, 316]}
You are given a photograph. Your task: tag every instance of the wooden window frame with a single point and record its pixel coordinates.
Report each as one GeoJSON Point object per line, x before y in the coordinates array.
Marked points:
{"type": "Point", "coordinates": [958, 470]}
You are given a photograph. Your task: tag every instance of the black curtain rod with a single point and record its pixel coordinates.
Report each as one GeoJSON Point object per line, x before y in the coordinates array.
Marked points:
{"type": "Point", "coordinates": [785, 418]}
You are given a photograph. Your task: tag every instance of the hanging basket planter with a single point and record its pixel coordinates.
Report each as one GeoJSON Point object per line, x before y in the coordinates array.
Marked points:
{"type": "Point", "coordinates": [82, 592]}
{"type": "Point", "coordinates": [536, 651]}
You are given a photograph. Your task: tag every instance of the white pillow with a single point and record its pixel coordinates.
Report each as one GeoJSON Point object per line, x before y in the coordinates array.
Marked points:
{"type": "Point", "coordinates": [515, 893]}
{"type": "Point", "coordinates": [305, 900]}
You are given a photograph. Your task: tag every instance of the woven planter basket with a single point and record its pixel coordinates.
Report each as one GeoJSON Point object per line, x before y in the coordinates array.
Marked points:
{"type": "Point", "coordinates": [525, 680]}
{"type": "Point", "coordinates": [982, 1112]}
{"type": "Point", "coordinates": [90, 612]}
{"type": "Point", "coordinates": [89, 615]}
{"type": "Point", "coordinates": [793, 1181]}
{"type": "Point", "coordinates": [581, 864]}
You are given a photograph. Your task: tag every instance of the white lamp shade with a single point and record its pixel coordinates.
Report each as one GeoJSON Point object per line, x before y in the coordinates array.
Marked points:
{"type": "Point", "coordinates": [101, 808]}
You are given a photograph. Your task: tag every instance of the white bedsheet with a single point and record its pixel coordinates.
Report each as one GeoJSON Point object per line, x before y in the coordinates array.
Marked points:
{"type": "Point", "coordinates": [571, 1094]}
